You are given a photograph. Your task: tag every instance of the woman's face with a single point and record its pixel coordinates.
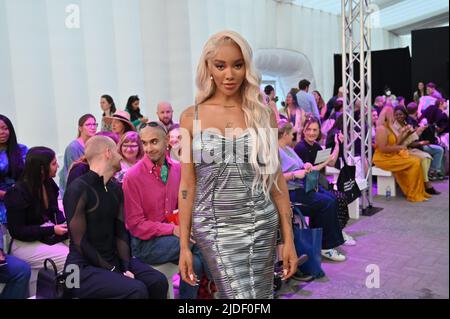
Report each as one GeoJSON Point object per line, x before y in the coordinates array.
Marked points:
{"type": "Point", "coordinates": [289, 137]}
{"type": "Point", "coordinates": [130, 150]}
{"type": "Point", "coordinates": [4, 133]}
{"type": "Point", "coordinates": [118, 127]}
{"type": "Point", "coordinates": [374, 117]}
{"type": "Point", "coordinates": [228, 69]}
{"type": "Point", "coordinates": [53, 168]}
{"type": "Point", "coordinates": [316, 96]}
{"type": "Point", "coordinates": [135, 104]}
{"type": "Point", "coordinates": [311, 132]}
{"type": "Point", "coordinates": [289, 99]}
{"type": "Point", "coordinates": [104, 104]}
{"type": "Point", "coordinates": [421, 86]}
{"type": "Point", "coordinates": [174, 137]}
{"type": "Point", "coordinates": [89, 128]}
{"type": "Point", "coordinates": [399, 116]}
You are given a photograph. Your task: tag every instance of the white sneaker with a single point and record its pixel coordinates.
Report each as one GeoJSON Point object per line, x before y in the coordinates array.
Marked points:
{"type": "Point", "coordinates": [333, 254]}
{"type": "Point", "coordinates": [348, 240]}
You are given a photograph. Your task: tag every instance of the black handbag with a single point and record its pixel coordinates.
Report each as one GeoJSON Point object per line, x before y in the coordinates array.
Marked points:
{"type": "Point", "coordinates": [346, 183]}
{"type": "Point", "coordinates": [50, 283]}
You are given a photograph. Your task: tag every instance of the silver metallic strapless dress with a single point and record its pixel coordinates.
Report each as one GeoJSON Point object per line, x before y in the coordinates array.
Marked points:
{"type": "Point", "coordinates": [235, 230]}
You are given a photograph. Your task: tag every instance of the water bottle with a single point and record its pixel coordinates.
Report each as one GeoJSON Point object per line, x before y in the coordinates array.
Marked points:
{"type": "Point", "coordinates": [388, 193]}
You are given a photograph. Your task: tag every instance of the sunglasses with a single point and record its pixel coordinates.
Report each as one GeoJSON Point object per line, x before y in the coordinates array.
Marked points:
{"type": "Point", "coordinates": [156, 124]}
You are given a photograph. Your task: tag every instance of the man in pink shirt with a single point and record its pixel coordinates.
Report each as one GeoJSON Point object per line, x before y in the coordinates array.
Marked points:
{"type": "Point", "coordinates": [151, 194]}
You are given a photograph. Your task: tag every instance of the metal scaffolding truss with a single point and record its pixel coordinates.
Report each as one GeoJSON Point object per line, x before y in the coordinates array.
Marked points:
{"type": "Point", "coordinates": [356, 58]}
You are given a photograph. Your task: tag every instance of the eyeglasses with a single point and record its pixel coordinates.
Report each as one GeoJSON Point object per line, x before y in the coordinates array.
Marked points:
{"type": "Point", "coordinates": [130, 146]}
{"type": "Point", "coordinates": [156, 124]}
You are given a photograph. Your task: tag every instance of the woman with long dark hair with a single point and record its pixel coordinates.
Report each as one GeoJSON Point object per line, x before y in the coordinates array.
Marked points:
{"type": "Point", "coordinates": [109, 108]}
{"type": "Point", "coordinates": [12, 159]}
{"type": "Point", "coordinates": [135, 112]}
{"type": "Point", "coordinates": [35, 222]}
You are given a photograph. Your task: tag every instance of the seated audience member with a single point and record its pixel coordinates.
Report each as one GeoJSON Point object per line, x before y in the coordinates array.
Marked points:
{"type": "Point", "coordinates": [164, 112]}
{"type": "Point", "coordinates": [374, 127]}
{"type": "Point", "coordinates": [414, 145]}
{"type": "Point", "coordinates": [392, 156]}
{"type": "Point", "coordinates": [330, 103]}
{"type": "Point", "coordinates": [338, 109]}
{"type": "Point", "coordinates": [109, 108]}
{"type": "Point", "coordinates": [429, 99]}
{"type": "Point", "coordinates": [307, 150]}
{"type": "Point", "coordinates": [437, 122]}
{"type": "Point", "coordinates": [99, 242]}
{"type": "Point", "coordinates": [151, 195]}
{"type": "Point", "coordinates": [413, 116]}
{"type": "Point", "coordinates": [131, 150]}
{"type": "Point", "coordinates": [379, 104]}
{"type": "Point", "coordinates": [174, 142]}
{"type": "Point", "coordinates": [320, 205]}
{"type": "Point", "coordinates": [87, 127]}
{"type": "Point", "coordinates": [81, 166]}
{"type": "Point", "coordinates": [35, 223]}
{"type": "Point", "coordinates": [12, 159]}
{"type": "Point", "coordinates": [135, 112]}
{"type": "Point", "coordinates": [14, 273]}
{"type": "Point", "coordinates": [432, 91]}
{"type": "Point", "coordinates": [401, 101]}
{"type": "Point", "coordinates": [120, 123]}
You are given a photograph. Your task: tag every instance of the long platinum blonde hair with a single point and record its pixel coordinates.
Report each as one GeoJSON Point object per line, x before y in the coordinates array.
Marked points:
{"type": "Point", "coordinates": [264, 156]}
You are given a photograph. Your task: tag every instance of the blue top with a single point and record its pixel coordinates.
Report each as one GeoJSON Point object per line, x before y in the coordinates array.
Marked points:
{"type": "Point", "coordinates": [72, 153]}
{"type": "Point", "coordinates": [307, 102]}
{"type": "Point", "coordinates": [290, 162]}
{"type": "Point", "coordinates": [6, 181]}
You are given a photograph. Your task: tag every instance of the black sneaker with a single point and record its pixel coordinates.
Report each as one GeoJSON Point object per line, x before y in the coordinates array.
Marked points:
{"type": "Point", "coordinates": [432, 191]}
{"type": "Point", "coordinates": [299, 276]}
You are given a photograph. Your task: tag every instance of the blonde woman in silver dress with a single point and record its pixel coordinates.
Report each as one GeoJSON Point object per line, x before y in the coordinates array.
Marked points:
{"type": "Point", "coordinates": [232, 198]}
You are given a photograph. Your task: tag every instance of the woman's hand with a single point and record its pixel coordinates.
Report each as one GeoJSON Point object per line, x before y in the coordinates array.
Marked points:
{"type": "Point", "coordinates": [60, 229]}
{"type": "Point", "coordinates": [300, 174]}
{"type": "Point", "coordinates": [308, 167]}
{"type": "Point", "coordinates": [290, 260]}
{"type": "Point", "coordinates": [129, 274]}
{"type": "Point", "coordinates": [339, 138]}
{"type": "Point", "coordinates": [185, 265]}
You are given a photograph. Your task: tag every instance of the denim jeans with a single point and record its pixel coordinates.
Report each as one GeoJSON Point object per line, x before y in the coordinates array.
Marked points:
{"type": "Point", "coordinates": [16, 275]}
{"type": "Point", "coordinates": [437, 152]}
{"type": "Point", "coordinates": [164, 249]}
{"type": "Point", "coordinates": [322, 209]}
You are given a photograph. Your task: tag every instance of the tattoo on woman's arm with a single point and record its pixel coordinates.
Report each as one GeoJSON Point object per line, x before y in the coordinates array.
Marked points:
{"type": "Point", "coordinates": [184, 194]}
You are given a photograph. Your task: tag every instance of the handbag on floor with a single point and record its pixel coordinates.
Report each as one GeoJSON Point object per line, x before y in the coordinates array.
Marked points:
{"type": "Point", "coordinates": [50, 283]}
{"type": "Point", "coordinates": [308, 241]}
